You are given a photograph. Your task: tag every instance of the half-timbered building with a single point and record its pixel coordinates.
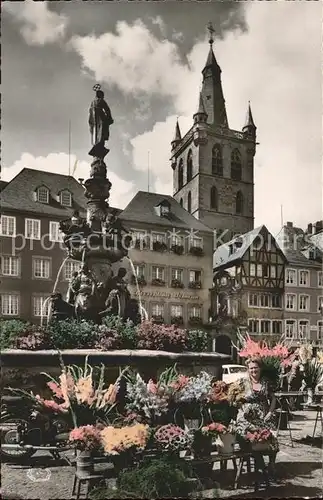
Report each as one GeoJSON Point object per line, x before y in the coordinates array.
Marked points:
{"type": "Point", "coordinates": [248, 287]}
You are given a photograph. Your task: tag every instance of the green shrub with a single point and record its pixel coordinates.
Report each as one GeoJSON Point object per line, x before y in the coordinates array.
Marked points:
{"type": "Point", "coordinates": [10, 330]}
{"type": "Point", "coordinates": [198, 340]}
{"type": "Point", "coordinates": [164, 477]}
{"type": "Point", "coordinates": [126, 329]}
{"type": "Point", "coordinates": [72, 334]}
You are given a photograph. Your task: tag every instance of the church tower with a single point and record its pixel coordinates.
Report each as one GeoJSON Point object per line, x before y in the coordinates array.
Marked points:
{"type": "Point", "coordinates": [213, 166]}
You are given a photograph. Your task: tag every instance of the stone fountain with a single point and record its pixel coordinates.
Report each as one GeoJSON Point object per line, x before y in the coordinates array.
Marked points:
{"type": "Point", "coordinates": [98, 241]}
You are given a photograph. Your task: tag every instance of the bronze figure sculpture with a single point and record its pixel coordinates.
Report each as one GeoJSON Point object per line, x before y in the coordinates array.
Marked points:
{"type": "Point", "coordinates": [98, 241]}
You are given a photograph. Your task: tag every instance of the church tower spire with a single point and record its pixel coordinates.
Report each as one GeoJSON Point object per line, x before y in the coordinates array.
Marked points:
{"type": "Point", "coordinates": [212, 88]}
{"type": "Point", "coordinates": [177, 136]}
{"type": "Point", "coordinates": [249, 128]}
{"type": "Point", "coordinates": [201, 115]}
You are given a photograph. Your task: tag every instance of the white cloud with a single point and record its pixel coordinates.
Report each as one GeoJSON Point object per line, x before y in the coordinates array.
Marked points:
{"type": "Point", "coordinates": [136, 62]}
{"type": "Point", "coordinates": [39, 25]}
{"type": "Point", "coordinates": [121, 191]}
{"type": "Point", "coordinates": [275, 65]}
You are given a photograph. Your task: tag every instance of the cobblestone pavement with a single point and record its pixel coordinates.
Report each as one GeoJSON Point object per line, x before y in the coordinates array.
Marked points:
{"type": "Point", "coordinates": [299, 471]}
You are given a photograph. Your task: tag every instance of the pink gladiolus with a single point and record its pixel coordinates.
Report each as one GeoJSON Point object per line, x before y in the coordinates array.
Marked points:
{"type": "Point", "coordinates": [56, 390]}
{"type": "Point", "coordinates": [152, 387]}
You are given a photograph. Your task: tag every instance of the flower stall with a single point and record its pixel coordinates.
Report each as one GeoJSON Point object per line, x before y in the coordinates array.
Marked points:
{"type": "Point", "coordinates": [178, 418]}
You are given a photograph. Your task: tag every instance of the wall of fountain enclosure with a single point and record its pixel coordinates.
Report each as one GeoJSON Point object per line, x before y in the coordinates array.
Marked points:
{"type": "Point", "coordinates": [24, 369]}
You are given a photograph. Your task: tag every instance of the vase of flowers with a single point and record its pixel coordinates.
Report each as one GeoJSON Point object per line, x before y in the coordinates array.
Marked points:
{"type": "Point", "coordinates": [86, 439]}
{"type": "Point", "coordinates": [172, 439]}
{"type": "Point", "coordinates": [260, 440]}
{"type": "Point", "coordinates": [225, 436]}
{"type": "Point", "coordinates": [190, 394]}
{"type": "Point", "coordinates": [122, 443]}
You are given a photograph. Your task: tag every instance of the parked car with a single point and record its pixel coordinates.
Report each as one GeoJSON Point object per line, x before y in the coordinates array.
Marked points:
{"type": "Point", "coordinates": [231, 373]}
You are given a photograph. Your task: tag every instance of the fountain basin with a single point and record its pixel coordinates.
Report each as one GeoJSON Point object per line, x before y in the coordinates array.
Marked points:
{"type": "Point", "coordinates": [24, 367]}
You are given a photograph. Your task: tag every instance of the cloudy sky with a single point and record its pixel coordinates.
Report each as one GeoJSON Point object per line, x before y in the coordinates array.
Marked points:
{"type": "Point", "coordinates": [148, 57]}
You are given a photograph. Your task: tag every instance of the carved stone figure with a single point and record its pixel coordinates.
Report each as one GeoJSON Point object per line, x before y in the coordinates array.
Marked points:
{"type": "Point", "coordinates": [100, 119]}
{"type": "Point", "coordinates": [112, 304]}
{"type": "Point", "coordinates": [60, 309]}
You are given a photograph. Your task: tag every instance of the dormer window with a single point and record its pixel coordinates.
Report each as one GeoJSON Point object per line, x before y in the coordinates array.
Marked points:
{"type": "Point", "coordinates": [163, 208]}
{"type": "Point", "coordinates": [42, 194]}
{"type": "Point", "coordinates": [65, 198]}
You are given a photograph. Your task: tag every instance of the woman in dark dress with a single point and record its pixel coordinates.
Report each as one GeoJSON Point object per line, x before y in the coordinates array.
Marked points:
{"type": "Point", "coordinates": [257, 411]}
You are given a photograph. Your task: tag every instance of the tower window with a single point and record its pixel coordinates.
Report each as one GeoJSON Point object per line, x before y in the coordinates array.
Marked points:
{"type": "Point", "coordinates": [239, 203]}
{"type": "Point", "coordinates": [189, 202]}
{"type": "Point", "coordinates": [236, 165]}
{"type": "Point", "coordinates": [217, 163]}
{"type": "Point", "coordinates": [214, 198]}
{"type": "Point", "coordinates": [189, 166]}
{"type": "Point", "coordinates": [181, 202]}
{"type": "Point", "coordinates": [180, 175]}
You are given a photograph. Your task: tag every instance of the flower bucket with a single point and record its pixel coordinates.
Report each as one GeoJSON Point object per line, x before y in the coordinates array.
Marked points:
{"type": "Point", "coordinates": [260, 446]}
{"type": "Point", "coordinates": [202, 446]}
{"type": "Point", "coordinates": [225, 443]}
{"type": "Point", "coordinates": [192, 423]}
{"type": "Point", "coordinates": [84, 463]}
{"type": "Point", "coordinates": [309, 396]}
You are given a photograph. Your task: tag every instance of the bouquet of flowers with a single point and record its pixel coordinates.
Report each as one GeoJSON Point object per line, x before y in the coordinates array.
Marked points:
{"type": "Point", "coordinates": [259, 436]}
{"type": "Point", "coordinates": [216, 428]}
{"type": "Point", "coordinates": [148, 400]}
{"type": "Point", "coordinates": [86, 400]}
{"type": "Point", "coordinates": [273, 359]}
{"type": "Point", "coordinates": [236, 393]}
{"type": "Point", "coordinates": [117, 440]}
{"type": "Point", "coordinates": [173, 438]}
{"type": "Point", "coordinates": [218, 392]}
{"type": "Point", "coordinates": [193, 389]}
{"type": "Point", "coordinates": [86, 437]}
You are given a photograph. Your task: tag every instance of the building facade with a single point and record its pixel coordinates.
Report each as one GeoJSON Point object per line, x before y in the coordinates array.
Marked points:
{"type": "Point", "coordinates": [213, 165]}
{"type": "Point", "coordinates": [255, 266]}
{"type": "Point", "coordinates": [31, 250]}
{"type": "Point", "coordinates": [303, 285]}
{"type": "Point", "coordinates": [171, 260]}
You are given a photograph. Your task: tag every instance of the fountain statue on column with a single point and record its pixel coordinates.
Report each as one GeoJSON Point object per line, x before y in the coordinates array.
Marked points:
{"type": "Point", "coordinates": [97, 242]}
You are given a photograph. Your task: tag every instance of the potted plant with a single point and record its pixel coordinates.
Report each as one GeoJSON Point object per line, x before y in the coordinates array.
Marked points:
{"type": "Point", "coordinates": [157, 318]}
{"type": "Point", "coordinates": [157, 282]}
{"type": "Point", "coordinates": [140, 280]}
{"type": "Point", "coordinates": [178, 249]}
{"type": "Point", "coordinates": [176, 283]}
{"type": "Point", "coordinates": [194, 284]}
{"type": "Point", "coordinates": [159, 246]}
{"type": "Point", "coordinates": [225, 436]}
{"type": "Point", "coordinates": [177, 320]}
{"type": "Point", "coordinates": [197, 251]}
{"type": "Point", "coordinates": [195, 320]}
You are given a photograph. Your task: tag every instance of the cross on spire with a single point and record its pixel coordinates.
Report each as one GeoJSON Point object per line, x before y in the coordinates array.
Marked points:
{"type": "Point", "coordinates": [211, 31]}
